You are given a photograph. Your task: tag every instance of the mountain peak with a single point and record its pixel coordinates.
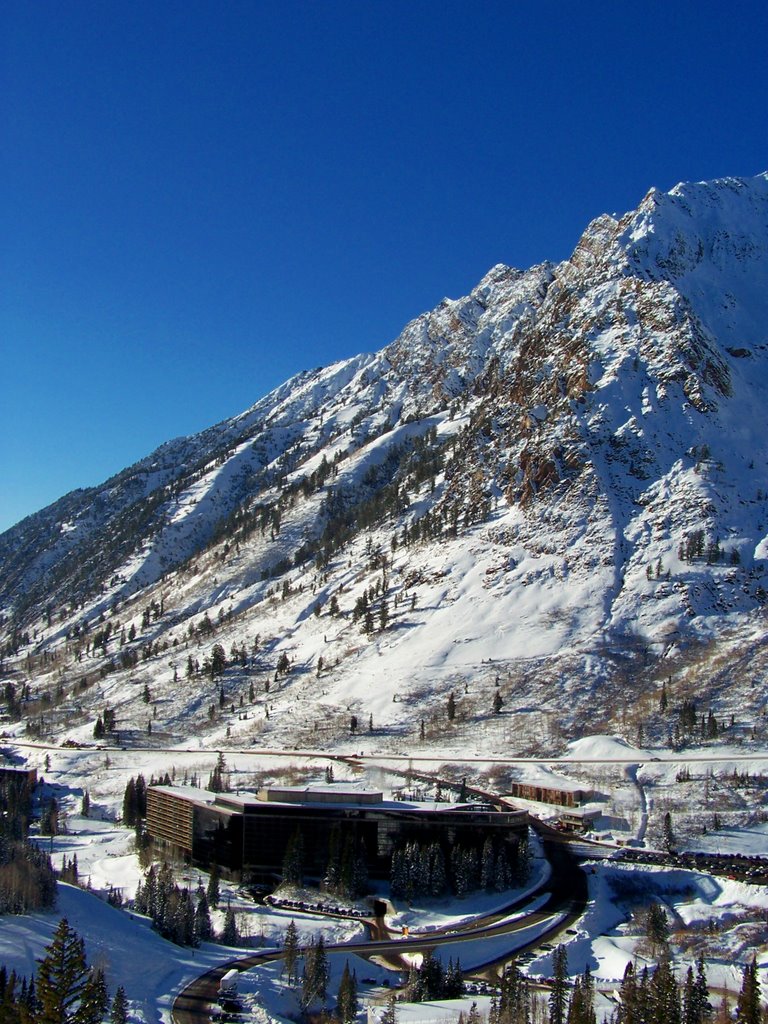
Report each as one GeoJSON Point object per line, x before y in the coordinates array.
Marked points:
{"type": "Point", "coordinates": [565, 463]}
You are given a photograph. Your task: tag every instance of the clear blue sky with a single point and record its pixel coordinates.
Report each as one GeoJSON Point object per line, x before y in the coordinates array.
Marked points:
{"type": "Point", "coordinates": [200, 199]}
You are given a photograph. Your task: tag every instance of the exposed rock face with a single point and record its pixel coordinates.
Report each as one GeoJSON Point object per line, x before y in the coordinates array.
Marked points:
{"type": "Point", "coordinates": [578, 428]}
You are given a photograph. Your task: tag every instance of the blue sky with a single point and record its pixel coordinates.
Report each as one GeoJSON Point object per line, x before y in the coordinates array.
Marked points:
{"type": "Point", "coordinates": [201, 199]}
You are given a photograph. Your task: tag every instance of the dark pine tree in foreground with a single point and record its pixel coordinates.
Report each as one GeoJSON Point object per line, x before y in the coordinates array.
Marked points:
{"type": "Point", "coordinates": [68, 992]}
{"type": "Point", "coordinates": [346, 1000]}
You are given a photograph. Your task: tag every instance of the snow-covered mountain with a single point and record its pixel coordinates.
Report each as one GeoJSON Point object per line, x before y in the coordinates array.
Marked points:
{"type": "Point", "coordinates": [557, 483]}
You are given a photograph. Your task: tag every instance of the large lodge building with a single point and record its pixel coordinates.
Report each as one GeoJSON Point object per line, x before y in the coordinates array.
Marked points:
{"type": "Point", "coordinates": [247, 834]}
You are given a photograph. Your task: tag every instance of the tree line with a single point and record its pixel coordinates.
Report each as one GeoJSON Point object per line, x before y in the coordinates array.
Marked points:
{"type": "Point", "coordinates": [27, 878]}
{"type": "Point", "coordinates": [66, 990]}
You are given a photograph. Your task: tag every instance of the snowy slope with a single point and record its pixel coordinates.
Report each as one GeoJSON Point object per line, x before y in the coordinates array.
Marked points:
{"type": "Point", "coordinates": [551, 483]}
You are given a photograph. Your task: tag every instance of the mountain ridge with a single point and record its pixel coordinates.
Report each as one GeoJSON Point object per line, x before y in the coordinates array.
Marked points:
{"type": "Point", "coordinates": [568, 462]}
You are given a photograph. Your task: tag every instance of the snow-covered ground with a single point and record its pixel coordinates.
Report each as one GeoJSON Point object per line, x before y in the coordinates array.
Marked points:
{"type": "Point", "coordinates": [720, 917]}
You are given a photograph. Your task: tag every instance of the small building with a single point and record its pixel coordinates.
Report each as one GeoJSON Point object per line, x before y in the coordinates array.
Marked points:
{"type": "Point", "coordinates": [563, 795]}
{"type": "Point", "coordinates": [581, 819]}
{"type": "Point", "coordinates": [247, 834]}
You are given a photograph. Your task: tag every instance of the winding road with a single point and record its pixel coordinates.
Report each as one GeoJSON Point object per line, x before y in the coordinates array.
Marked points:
{"type": "Point", "coordinates": [567, 889]}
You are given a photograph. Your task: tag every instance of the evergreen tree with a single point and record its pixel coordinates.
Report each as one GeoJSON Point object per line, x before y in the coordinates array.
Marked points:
{"type": "Point", "coordinates": [62, 978]}
{"type": "Point", "coordinates": [438, 876]}
{"type": "Point", "coordinates": [487, 866]}
{"type": "Point", "coordinates": [626, 1013]}
{"type": "Point", "coordinates": [432, 978]}
{"type": "Point", "coordinates": [664, 995]}
{"type": "Point", "coordinates": [290, 951]}
{"type": "Point", "coordinates": [389, 1016]}
{"type": "Point", "coordinates": [657, 926]}
{"type": "Point", "coordinates": [10, 999]}
{"type": "Point", "coordinates": [451, 708]}
{"type": "Point", "coordinates": [119, 1012]}
{"type": "Point", "coordinates": [213, 890]}
{"type": "Point", "coordinates": [580, 1010]}
{"type": "Point", "coordinates": [514, 1003]}
{"type": "Point", "coordinates": [558, 996]}
{"type": "Point", "coordinates": [129, 803]}
{"type": "Point", "coordinates": [230, 935]}
{"type": "Point", "coordinates": [217, 780]}
{"type": "Point", "coordinates": [333, 870]}
{"type": "Point", "coordinates": [28, 1001]}
{"type": "Point", "coordinates": [314, 982]}
{"type": "Point", "coordinates": [49, 821]}
{"type": "Point", "coordinates": [748, 1003]}
{"type": "Point", "coordinates": [218, 660]}
{"type": "Point", "coordinates": [346, 1000]}
{"type": "Point", "coordinates": [95, 999]}
{"type": "Point", "coordinates": [293, 861]}
{"type": "Point", "coordinates": [203, 925]}
{"type": "Point", "coordinates": [701, 1004]}
{"type": "Point", "coordinates": [453, 987]}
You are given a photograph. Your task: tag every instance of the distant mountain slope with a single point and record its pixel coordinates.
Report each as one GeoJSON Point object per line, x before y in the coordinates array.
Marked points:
{"type": "Point", "coordinates": [568, 462]}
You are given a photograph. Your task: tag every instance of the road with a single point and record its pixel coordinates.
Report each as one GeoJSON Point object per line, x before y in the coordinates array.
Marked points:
{"type": "Point", "coordinates": [566, 903]}
{"type": "Point", "coordinates": [377, 758]}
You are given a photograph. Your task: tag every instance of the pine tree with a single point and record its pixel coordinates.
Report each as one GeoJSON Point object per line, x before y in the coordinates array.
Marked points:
{"type": "Point", "coordinates": [558, 994]}
{"type": "Point", "coordinates": [438, 877]}
{"type": "Point", "coordinates": [346, 1000]}
{"type": "Point", "coordinates": [664, 995]}
{"type": "Point", "coordinates": [95, 999]}
{"type": "Point", "coordinates": [626, 1013]}
{"type": "Point", "coordinates": [217, 780]}
{"type": "Point", "coordinates": [701, 1004]}
{"type": "Point", "coordinates": [748, 1003]}
{"type": "Point", "coordinates": [203, 925]}
{"type": "Point", "coordinates": [657, 926]}
{"type": "Point", "coordinates": [580, 1009]}
{"type": "Point", "coordinates": [432, 978]}
{"type": "Point", "coordinates": [230, 935]}
{"type": "Point", "coordinates": [293, 861]}
{"type": "Point", "coordinates": [389, 1016]}
{"type": "Point", "coordinates": [333, 870]}
{"type": "Point", "coordinates": [663, 699]}
{"type": "Point", "coordinates": [487, 866]}
{"type": "Point", "coordinates": [213, 890]}
{"type": "Point", "coordinates": [62, 977]}
{"type": "Point", "coordinates": [49, 821]}
{"type": "Point", "coordinates": [129, 803]}
{"type": "Point", "coordinates": [321, 968]}
{"type": "Point", "coordinates": [314, 982]}
{"type": "Point", "coordinates": [28, 1002]}
{"type": "Point", "coordinates": [290, 951]}
{"type": "Point", "coordinates": [453, 985]}
{"type": "Point", "coordinates": [514, 1005]}
{"type": "Point", "coordinates": [119, 1012]}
